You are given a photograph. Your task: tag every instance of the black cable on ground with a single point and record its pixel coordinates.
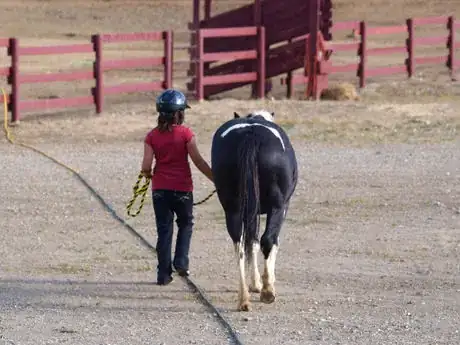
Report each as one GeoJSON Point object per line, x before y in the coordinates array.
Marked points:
{"type": "Point", "coordinates": [147, 244]}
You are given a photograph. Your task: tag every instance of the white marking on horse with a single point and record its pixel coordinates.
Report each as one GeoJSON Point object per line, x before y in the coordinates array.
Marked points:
{"type": "Point", "coordinates": [242, 125]}
{"type": "Point", "coordinates": [256, 284]}
{"type": "Point", "coordinates": [243, 292]}
{"type": "Point", "coordinates": [265, 114]}
{"type": "Point", "coordinates": [267, 294]}
{"type": "Point", "coordinates": [270, 265]}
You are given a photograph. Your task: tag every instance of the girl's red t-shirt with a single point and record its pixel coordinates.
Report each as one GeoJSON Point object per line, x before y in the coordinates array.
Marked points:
{"type": "Point", "coordinates": [172, 169]}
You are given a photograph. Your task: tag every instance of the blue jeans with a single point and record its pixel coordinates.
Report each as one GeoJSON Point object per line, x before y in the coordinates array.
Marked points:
{"type": "Point", "coordinates": [166, 203]}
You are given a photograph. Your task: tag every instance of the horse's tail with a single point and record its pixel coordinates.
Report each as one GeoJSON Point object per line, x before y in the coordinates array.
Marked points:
{"type": "Point", "coordinates": [248, 150]}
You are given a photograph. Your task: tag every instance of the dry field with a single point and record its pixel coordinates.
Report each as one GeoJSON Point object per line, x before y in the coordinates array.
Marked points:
{"type": "Point", "coordinates": [370, 251]}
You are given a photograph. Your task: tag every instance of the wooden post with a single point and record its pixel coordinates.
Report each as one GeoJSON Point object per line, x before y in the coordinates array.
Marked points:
{"type": "Point", "coordinates": [362, 54]}
{"type": "Point", "coordinates": [410, 62]}
{"type": "Point", "coordinates": [207, 9]}
{"type": "Point", "coordinates": [312, 58]}
{"type": "Point", "coordinates": [289, 81]}
{"type": "Point", "coordinates": [306, 68]}
{"type": "Point", "coordinates": [256, 21]}
{"type": "Point", "coordinates": [14, 80]}
{"type": "Point", "coordinates": [261, 62]}
{"type": "Point", "coordinates": [168, 56]}
{"type": "Point", "coordinates": [451, 45]}
{"type": "Point", "coordinates": [196, 14]}
{"type": "Point", "coordinates": [326, 19]}
{"type": "Point", "coordinates": [257, 13]}
{"type": "Point", "coordinates": [98, 92]}
{"type": "Point", "coordinates": [194, 27]}
{"type": "Point", "coordinates": [199, 70]}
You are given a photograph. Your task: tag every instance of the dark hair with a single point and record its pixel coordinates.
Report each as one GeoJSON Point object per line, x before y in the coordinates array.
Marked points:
{"type": "Point", "coordinates": [167, 120]}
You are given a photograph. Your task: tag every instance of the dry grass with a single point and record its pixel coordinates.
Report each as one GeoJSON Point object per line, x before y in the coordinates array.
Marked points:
{"type": "Point", "coordinates": [56, 21]}
{"type": "Point", "coordinates": [391, 12]}
{"type": "Point", "coordinates": [343, 123]}
{"type": "Point", "coordinates": [340, 92]}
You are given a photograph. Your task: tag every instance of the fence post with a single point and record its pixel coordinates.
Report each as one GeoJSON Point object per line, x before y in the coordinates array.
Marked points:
{"type": "Point", "coordinates": [261, 62]}
{"type": "Point", "coordinates": [199, 70]}
{"type": "Point", "coordinates": [207, 9]}
{"type": "Point", "coordinates": [14, 80]}
{"type": "Point", "coordinates": [410, 62]}
{"type": "Point", "coordinates": [451, 46]}
{"type": "Point", "coordinates": [98, 73]}
{"type": "Point", "coordinates": [168, 56]}
{"type": "Point", "coordinates": [362, 54]}
{"type": "Point", "coordinates": [306, 65]}
{"type": "Point", "coordinates": [289, 85]}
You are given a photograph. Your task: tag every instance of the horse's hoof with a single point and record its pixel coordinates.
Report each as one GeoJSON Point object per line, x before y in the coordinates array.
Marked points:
{"type": "Point", "coordinates": [245, 306]}
{"type": "Point", "coordinates": [255, 288]}
{"type": "Point", "coordinates": [267, 296]}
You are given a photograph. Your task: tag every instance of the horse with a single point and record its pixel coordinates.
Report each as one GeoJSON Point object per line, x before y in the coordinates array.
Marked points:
{"type": "Point", "coordinates": [255, 172]}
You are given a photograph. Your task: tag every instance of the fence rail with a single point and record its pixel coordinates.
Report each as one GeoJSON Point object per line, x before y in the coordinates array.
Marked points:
{"type": "Point", "coordinates": [55, 50]}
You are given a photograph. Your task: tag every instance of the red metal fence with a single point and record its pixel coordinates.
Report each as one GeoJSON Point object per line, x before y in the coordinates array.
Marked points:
{"type": "Point", "coordinates": [409, 64]}
{"type": "Point", "coordinates": [96, 94]}
{"type": "Point", "coordinates": [362, 68]}
{"type": "Point", "coordinates": [18, 79]}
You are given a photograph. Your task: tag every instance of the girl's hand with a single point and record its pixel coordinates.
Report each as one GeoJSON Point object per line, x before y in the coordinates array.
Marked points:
{"type": "Point", "coordinates": [147, 174]}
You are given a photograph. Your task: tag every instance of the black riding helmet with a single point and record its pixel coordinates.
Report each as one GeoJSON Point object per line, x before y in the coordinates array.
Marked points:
{"type": "Point", "coordinates": [170, 101]}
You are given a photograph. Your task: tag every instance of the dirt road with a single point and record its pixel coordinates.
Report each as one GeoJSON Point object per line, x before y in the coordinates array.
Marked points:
{"type": "Point", "coordinates": [369, 252]}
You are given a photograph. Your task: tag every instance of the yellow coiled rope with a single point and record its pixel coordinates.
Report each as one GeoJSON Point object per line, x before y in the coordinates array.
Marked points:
{"type": "Point", "coordinates": [140, 190]}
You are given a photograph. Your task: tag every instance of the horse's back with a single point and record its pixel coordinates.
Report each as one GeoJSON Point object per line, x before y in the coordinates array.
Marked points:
{"type": "Point", "coordinates": [270, 136]}
{"type": "Point", "coordinates": [276, 160]}
{"type": "Point", "coordinates": [275, 150]}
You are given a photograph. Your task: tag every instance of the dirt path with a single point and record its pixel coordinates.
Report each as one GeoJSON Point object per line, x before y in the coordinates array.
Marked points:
{"type": "Point", "coordinates": [369, 252]}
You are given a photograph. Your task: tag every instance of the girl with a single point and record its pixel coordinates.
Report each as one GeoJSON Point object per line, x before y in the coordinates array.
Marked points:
{"type": "Point", "coordinates": [172, 188]}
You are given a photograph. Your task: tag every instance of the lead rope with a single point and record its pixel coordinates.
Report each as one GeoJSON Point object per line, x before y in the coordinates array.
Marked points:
{"type": "Point", "coordinates": [142, 192]}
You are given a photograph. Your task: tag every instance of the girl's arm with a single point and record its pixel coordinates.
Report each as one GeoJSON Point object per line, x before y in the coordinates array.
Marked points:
{"type": "Point", "coordinates": [198, 160]}
{"type": "Point", "coordinates": [147, 161]}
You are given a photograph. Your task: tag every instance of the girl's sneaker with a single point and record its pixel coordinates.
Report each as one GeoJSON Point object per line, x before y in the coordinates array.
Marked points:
{"type": "Point", "coordinates": [165, 282]}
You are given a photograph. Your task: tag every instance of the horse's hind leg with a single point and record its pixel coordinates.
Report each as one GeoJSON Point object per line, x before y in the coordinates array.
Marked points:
{"type": "Point", "coordinates": [269, 247]}
{"type": "Point", "coordinates": [235, 230]}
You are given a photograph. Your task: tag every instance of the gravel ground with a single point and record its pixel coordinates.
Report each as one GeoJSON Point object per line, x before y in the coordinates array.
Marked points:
{"type": "Point", "coordinates": [71, 274]}
{"type": "Point", "coordinates": [369, 254]}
